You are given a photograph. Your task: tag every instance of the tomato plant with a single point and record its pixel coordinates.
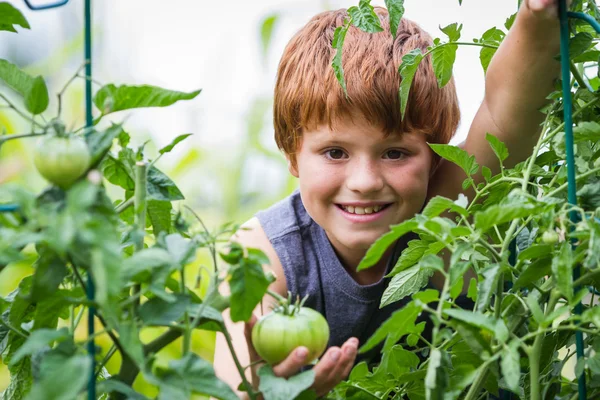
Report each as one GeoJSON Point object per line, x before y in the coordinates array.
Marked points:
{"type": "Point", "coordinates": [288, 326]}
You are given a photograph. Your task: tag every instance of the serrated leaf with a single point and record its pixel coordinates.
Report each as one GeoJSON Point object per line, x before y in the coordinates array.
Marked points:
{"type": "Point", "coordinates": [487, 285]}
{"type": "Point", "coordinates": [11, 16]}
{"type": "Point", "coordinates": [377, 249]}
{"type": "Point", "coordinates": [38, 340]}
{"type": "Point", "coordinates": [405, 283]}
{"type": "Point", "coordinates": [400, 323]}
{"type": "Point", "coordinates": [178, 139]}
{"type": "Point", "coordinates": [192, 374]}
{"type": "Point", "coordinates": [437, 379]}
{"type": "Point", "coordinates": [396, 12]}
{"type": "Point", "coordinates": [276, 388]}
{"type": "Point", "coordinates": [579, 43]}
{"type": "Point", "coordinates": [159, 312]}
{"type": "Point", "coordinates": [111, 98]}
{"type": "Point", "coordinates": [36, 97]}
{"type": "Point", "coordinates": [587, 130]}
{"type": "Point", "coordinates": [410, 255]}
{"type": "Point", "coordinates": [407, 70]}
{"type": "Point", "coordinates": [439, 204]}
{"type": "Point", "coordinates": [161, 187]}
{"type": "Point", "coordinates": [510, 364]}
{"type": "Point", "coordinates": [562, 270]}
{"type": "Point", "coordinates": [159, 214]}
{"type": "Point", "coordinates": [33, 89]}
{"type": "Point", "coordinates": [248, 284]}
{"type": "Point", "coordinates": [364, 17]}
{"type": "Point", "coordinates": [443, 58]}
{"type": "Point", "coordinates": [501, 213]}
{"type": "Point", "coordinates": [63, 383]}
{"type": "Point", "coordinates": [339, 35]}
{"type": "Point", "coordinates": [498, 147]}
{"type": "Point", "coordinates": [452, 31]}
{"type": "Point", "coordinates": [100, 142]}
{"type": "Point", "coordinates": [458, 156]}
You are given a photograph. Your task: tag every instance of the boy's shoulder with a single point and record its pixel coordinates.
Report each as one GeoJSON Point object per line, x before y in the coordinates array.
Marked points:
{"type": "Point", "coordinates": [284, 217]}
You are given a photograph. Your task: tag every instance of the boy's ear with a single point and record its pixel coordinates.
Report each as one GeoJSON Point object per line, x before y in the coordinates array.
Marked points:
{"type": "Point", "coordinates": [292, 166]}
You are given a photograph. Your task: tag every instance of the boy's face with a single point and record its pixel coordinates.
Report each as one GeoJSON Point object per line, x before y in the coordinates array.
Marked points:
{"type": "Point", "coordinates": [355, 182]}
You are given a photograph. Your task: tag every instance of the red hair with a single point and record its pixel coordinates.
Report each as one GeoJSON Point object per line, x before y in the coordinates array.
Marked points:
{"type": "Point", "coordinates": [307, 93]}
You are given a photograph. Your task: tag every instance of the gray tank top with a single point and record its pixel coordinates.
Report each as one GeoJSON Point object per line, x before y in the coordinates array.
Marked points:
{"type": "Point", "coordinates": [312, 268]}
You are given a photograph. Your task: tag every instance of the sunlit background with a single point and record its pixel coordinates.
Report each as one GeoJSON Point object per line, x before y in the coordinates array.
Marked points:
{"type": "Point", "coordinates": [230, 168]}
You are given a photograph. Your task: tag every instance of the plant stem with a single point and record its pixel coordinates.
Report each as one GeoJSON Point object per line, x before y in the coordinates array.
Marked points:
{"type": "Point", "coordinates": [21, 113]}
{"type": "Point", "coordinates": [106, 358]}
{"type": "Point", "coordinates": [124, 205]}
{"type": "Point", "coordinates": [565, 185]}
{"type": "Point", "coordinates": [277, 296]}
{"type": "Point", "coordinates": [535, 353]}
{"type": "Point", "coordinates": [476, 385]}
{"type": "Point", "coordinates": [60, 94]}
{"type": "Point", "coordinates": [239, 367]}
{"type": "Point", "coordinates": [12, 328]}
{"type": "Point", "coordinates": [6, 138]}
{"type": "Point", "coordinates": [139, 202]}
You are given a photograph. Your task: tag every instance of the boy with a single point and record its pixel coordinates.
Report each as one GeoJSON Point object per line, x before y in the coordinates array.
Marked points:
{"type": "Point", "coordinates": [361, 168]}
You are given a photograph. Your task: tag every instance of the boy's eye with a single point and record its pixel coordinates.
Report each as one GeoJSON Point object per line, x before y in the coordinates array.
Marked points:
{"type": "Point", "coordinates": [335, 154]}
{"type": "Point", "coordinates": [394, 154]}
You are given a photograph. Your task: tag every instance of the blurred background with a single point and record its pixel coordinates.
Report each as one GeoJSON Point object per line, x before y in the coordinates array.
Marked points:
{"type": "Point", "coordinates": [230, 168]}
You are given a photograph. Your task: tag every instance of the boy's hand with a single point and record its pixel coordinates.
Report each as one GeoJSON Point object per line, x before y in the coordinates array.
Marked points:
{"type": "Point", "coordinates": [333, 367]}
{"type": "Point", "coordinates": [547, 9]}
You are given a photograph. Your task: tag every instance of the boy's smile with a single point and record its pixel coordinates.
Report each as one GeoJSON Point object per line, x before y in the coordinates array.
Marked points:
{"type": "Point", "coordinates": [355, 182]}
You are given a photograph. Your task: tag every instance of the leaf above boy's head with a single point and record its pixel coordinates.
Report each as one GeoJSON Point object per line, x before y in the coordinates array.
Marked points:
{"type": "Point", "coordinates": [407, 71]}
{"type": "Point", "coordinates": [364, 18]}
{"type": "Point", "coordinates": [396, 11]}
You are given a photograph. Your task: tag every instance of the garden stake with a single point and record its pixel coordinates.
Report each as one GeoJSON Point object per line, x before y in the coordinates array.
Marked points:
{"type": "Point", "coordinates": [572, 185]}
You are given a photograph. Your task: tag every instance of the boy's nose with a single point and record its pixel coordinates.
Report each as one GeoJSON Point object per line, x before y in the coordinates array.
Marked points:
{"type": "Point", "coordinates": [364, 177]}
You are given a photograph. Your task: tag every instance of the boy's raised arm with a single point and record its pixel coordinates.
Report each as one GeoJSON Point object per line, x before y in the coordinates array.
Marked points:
{"type": "Point", "coordinates": [519, 78]}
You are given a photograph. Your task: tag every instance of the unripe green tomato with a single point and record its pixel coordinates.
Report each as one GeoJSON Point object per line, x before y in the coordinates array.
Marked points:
{"type": "Point", "coordinates": [550, 237]}
{"type": "Point", "coordinates": [61, 159]}
{"type": "Point", "coordinates": [276, 335]}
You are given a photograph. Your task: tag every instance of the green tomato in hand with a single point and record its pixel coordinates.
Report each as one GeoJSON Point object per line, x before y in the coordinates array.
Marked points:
{"type": "Point", "coordinates": [61, 159]}
{"type": "Point", "coordinates": [276, 335]}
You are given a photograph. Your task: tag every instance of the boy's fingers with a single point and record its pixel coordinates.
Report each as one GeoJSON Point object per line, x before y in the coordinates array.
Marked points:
{"type": "Point", "coordinates": [342, 367]}
{"type": "Point", "coordinates": [292, 364]}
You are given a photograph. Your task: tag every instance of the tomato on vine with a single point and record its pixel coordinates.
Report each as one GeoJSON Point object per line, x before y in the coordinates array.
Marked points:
{"type": "Point", "coordinates": [288, 326]}
{"type": "Point", "coordinates": [550, 237]}
{"type": "Point", "coordinates": [61, 158]}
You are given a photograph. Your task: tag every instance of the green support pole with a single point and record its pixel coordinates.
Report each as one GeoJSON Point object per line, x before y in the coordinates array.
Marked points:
{"type": "Point", "coordinates": [89, 122]}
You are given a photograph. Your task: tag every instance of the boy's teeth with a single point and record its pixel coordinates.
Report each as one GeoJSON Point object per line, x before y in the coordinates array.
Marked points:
{"type": "Point", "coordinates": [362, 210]}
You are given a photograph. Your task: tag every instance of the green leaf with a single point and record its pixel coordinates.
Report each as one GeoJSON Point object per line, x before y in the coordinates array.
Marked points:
{"type": "Point", "coordinates": [38, 340]}
{"type": "Point", "coordinates": [443, 58]}
{"type": "Point", "coordinates": [50, 271]}
{"type": "Point", "coordinates": [400, 323]}
{"type": "Point", "coordinates": [161, 187]}
{"type": "Point", "coordinates": [439, 204]}
{"type": "Point", "coordinates": [411, 280]}
{"type": "Point", "coordinates": [364, 17]}
{"type": "Point", "coordinates": [562, 270]}
{"type": "Point", "coordinates": [381, 245]}
{"type": "Point", "coordinates": [485, 57]}
{"type": "Point", "coordinates": [178, 139]}
{"type": "Point", "coordinates": [339, 35]}
{"type": "Point", "coordinates": [480, 320]}
{"type": "Point", "coordinates": [159, 214]}
{"type": "Point", "coordinates": [113, 385]}
{"type": "Point", "coordinates": [533, 272]}
{"type": "Point", "coordinates": [487, 286]}
{"type": "Point", "coordinates": [99, 143]}
{"type": "Point", "coordinates": [458, 156]}
{"type": "Point", "coordinates": [33, 90]}
{"type": "Point", "coordinates": [117, 173]}
{"type": "Point", "coordinates": [452, 31]}
{"type": "Point", "coordinates": [588, 130]}
{"type": "Point", "coordinates": [499, 147]}
{"type": "Point", "coordinates": [107, 273]}
{"type": "Point", "coordinates": [10, 16]}
{"type": "Point", "coordinates": [139, 266]}
{"type": "Point", "coordinates": [182, 250]}
{"type": "Point", "coordinates": [407, 70]}
{"type": "Point", "coordinates": [36, 98]}
{"type": "Point", "coordinates": [396, 12]}
{"type": "Point", "coordinates": [276, 388]}
{"type": "Point", "coordinates": [65, 382]}
{"type": "Point", "coordinates": [491, 37]}
{"type": "Point", "coordinates": [192, 374]}
{"type": "Point", "coordinates": [437, 379]}
{"type": "Point", "coordinates": [510, 21]}
{"type": "Point", "coordinates": [579, 43]}
{"type": "Point", "coordinates": [129, 337]}
{"type": "Point", "coordinates": [111, 98]}
{"type": "Point", "coordinates": [159, 312]}
{"type": "Point", "coordinates": [535, 252]}
{"type": "Point", "coordinates": [248, 284]}
{"type": "Point", "coordinates": [410, 255]}
{"type": "Point", "coordinates": [511, 369]}
{"type": "Point", "coordinates": [501, 213]}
